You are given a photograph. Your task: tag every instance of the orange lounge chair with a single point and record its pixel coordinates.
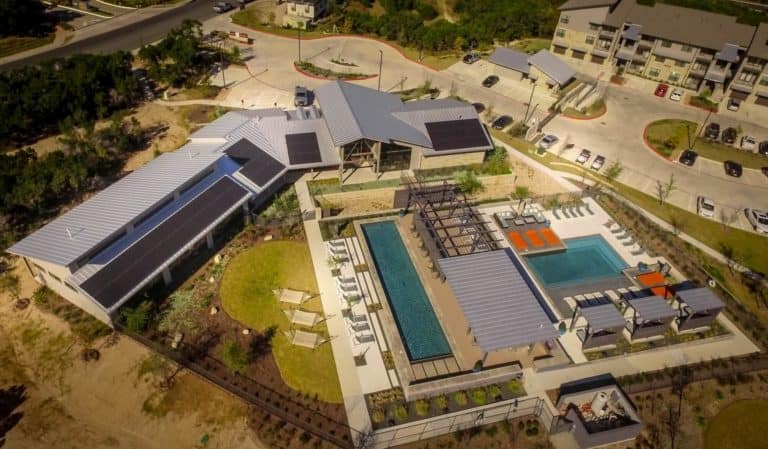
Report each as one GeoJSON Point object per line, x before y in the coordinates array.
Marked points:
{"type": "Point", "coordinates": [517, 240]}
{"type": "Point", "coordinates": [550, 237]}
{"type": "Point", "coordinates": [534, 238]}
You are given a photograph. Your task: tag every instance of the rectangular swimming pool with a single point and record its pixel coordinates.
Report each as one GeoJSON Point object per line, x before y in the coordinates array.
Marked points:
{"type": "Point", "coordinates": [416, 320]}
{"type": "Point", "coordinates": [586, 259]}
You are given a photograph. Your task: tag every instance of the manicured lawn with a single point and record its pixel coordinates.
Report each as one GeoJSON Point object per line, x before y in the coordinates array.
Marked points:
{"type": "Point", "coordinates": [246, 294]}
{"type": "Point", "coordinates": [531, 45]}
{"type": "Point", "coordinates": [738, 426]}
{"type": "Point", "coordinates": [719, 152]}
{"type": "Point", "coordinates": [594, 110]}
{"type": "Point", "coordinates": [670, 136]}
{"type": "Point", "coordinates": [12, 45]}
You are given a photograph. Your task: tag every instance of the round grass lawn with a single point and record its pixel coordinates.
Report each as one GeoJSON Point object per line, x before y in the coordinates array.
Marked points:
{"type": "Point", "coordinates": [738, 426]}
{"type": "Point", "coordinates": [670, 135]}
{"type": "Point", "coordinates": [246, 295]}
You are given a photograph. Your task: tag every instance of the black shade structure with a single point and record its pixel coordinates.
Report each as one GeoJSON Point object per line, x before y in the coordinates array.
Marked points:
{"type": "Point", "coordinates": [303, 148]}
{"type": "Point", "coordinates": [457, 134]}
{"type": "Point", "coordinates": [137, 263]}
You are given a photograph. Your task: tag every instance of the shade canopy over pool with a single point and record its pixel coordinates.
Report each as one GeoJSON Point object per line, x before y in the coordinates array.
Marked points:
{"type": "Point", "coordinates": [497, 300]}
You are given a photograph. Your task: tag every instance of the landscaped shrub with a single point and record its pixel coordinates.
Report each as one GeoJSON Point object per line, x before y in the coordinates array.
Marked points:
{"type": "Point", "coordinates": [378, 416]}
{"type": "Point", "coordinates": [401, 412]}
{"type": "Point", "coordinates": [460, 397]}
{"type": "Point", "coordinates": [441, 402]}
{"type": "Point", "coordinates": [234, 356]}
{"type": "Point", "coordinates": [479, 396]}
{"type": "Point", "coordinates": [136, 318]}
{"type": "Point", "coordinates": [422, 407]}
{"type": "Point", "coordinates": [515, 387]}
{"type": "Point", "coordinates": [495, 392]}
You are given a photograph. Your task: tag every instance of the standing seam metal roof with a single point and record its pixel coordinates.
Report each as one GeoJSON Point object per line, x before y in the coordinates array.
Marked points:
{"type": "Point", "coordinates": [501, 308]}
{"type": "Point", "coordinates": [511, 59]}
{"type": "Point", "coordinates": [603, 316]}
{"type": "Point", "coordinates": [700, 299]}
{"type": "Point", "coordinates": [552, 66]}
{"type": "Point", "coordinates": [652, 308]}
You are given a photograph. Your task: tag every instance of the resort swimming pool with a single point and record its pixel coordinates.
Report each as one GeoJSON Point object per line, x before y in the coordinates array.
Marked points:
{"type": "Point", "coordinates": [586, 259]}
{"type": "Point", "coordinates": [416, 320]}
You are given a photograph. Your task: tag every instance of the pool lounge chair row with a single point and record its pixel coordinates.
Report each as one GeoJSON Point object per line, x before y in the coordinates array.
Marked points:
{"type": "Point", "coordinates": [573, 211]}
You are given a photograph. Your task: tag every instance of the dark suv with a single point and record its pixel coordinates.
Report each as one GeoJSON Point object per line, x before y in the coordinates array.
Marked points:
{"type": "Point", "coordinates": [729, 135]}
{"type": "Point", "coordinates": [712, 131]}
{"type": "Point", "coordinates": [763, 148]}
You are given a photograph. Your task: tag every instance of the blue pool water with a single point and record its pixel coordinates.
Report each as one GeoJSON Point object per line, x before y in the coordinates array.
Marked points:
{"type": "Point", "coordinates": [421, 332]}
{"type": "Point", "coordinates": [586, 259]}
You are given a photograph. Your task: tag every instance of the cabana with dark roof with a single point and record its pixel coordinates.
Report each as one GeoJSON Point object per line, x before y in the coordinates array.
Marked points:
{"type": "Point", "coordinates": [697, 308]}
{"type": "Point", "coordinates": [604, 324]}
{"type": "Point", "coordinates": [651, 317]}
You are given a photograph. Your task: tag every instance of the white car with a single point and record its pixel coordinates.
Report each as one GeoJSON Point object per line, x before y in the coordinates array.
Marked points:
{"type": "Point", "coordinates": [676, 95]}
{"type": "Point", "coordinates": [547, 141]}
{"type": "Point", "coordinates": [748, 143]}
{"type": "Point", "coordinates": [597, 164]}
{"type": "Point", "coordinates": [584, 156]}
{"type": "Point", "coordinates": [758, 219]}
{"type": "Point", "coordinates": [705, 207]}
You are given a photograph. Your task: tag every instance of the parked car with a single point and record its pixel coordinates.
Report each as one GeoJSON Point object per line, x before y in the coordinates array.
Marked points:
{"type": "Point", "coordinates": [764, 170]}
{"type": "Point", "coordinates": [222, 7]}
{"type": "Point", "coordinates": [661, 90]}
{"type": "Point", "coordinates": [501, 122]}
{"type": "Point", "coordinates": [758, 219]}
{"type": "Point", "coordinates": [763, 148]}
{"type": "Point", "coordinates": [490, 81]}
{"type": "Point", "coordinates": [301, 96]}
{"type": "Point", "coordinates": [733, 169]}
{"type": "Point", "coordinates": [688, 157]}
{"type": "Point", "coordinates": [597, 164]}
{"type": "Point", "coordinates": [676, 95]}
{"type": "Point", "coordinates": [712, 131]}
{"type": "Point", "coordinates": [547, 141]}
{"type": "Point", "coordinates": [584, 156]}
{"type": "Point", "coordinates": [733, 104]}
{"type": "Point", "coordinates": [471, 58]}
{"type": "Point", "coordinates": [705, 207]}
{"type": "Point", "coordinates": [748, 143]}
{"type": "Point", "coordinates": [730, 135]}
{"type": "Point", "coordinates": [479, 107]}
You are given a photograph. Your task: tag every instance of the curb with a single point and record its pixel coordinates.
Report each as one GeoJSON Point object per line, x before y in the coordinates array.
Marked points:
{"type": "Point", "coordinates": [131, 8]}
{"type": "Point", "coordinates": [345, 35]}
{"type": "Point", "coordinates": [309, 75]}
{"type": "Point", "coordinates": [587, 118]}
{"type": "Point", "coordinates": [709, 111]}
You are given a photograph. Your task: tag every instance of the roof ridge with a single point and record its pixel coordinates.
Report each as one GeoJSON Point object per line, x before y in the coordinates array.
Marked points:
{"type": "Point", "coordinates": [349, 106]}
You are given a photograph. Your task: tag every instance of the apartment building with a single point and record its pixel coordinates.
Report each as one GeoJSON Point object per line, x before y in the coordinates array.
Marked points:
{"type": "Point", "coordinates": [750, 84]}
{"type": "Point", "coordinates": [698, 50]}
{"type": "Point", "coordinates": [300, 13]}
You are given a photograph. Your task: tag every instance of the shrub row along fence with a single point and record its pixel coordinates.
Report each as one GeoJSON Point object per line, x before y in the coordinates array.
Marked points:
{"type": "Point", "coordinates": [463, 420]}
{"type": "Point", "coordinates": [253, 392]}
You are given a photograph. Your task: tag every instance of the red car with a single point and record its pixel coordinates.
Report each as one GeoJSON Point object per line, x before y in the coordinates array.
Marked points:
{"type": "Point", "coordinates": [661, 90]}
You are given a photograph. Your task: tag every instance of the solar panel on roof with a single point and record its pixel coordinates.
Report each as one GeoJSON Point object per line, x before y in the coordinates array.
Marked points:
{"type": "Point", "coordinates": [457, 134]}
{"type": "Point", "coordinates": [243, 150]}
{"type": "Point", "coordinates": [303, 148]}
{"type": "Point", "coordinates": [121, 275]}
{"type": "Point", "coordinates": [262, 168]}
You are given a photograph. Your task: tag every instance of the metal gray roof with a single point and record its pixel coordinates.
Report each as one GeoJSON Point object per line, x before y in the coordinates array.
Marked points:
{"type": "Point", "coordinates": [700, 299]}
{"type": "Point", "coordinates": [75, 233]}
{"type": "Point", "coordinates": [652, 308]}
{"type": "Point", "coordinates": [603, 316]}
{"type": "Point", "coordinates": [633, 32]}
{"type": "Point", "coordinates": [582, 4]}
{"type": "Point", "coordinates": [501, 307]}
{"type": "Point", "coordinates": [355, 112]}
{"type": "Point", "coordinates": [729, 53]}
{"type": "Point", "coordinates": [511, 59]}
{"type": "Point", "coordinates": [684, 25]}
{"type": "Point", "coordinates": [552, 66]}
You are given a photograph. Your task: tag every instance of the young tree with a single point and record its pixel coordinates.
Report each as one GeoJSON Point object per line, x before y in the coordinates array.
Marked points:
{"type": "Point", "coordinates": [468, 182]}
{"type": "Point", "coordinates": [522, 192]}
{"type": "Point", "coordinates": [234, 356]}
{"type": "Point", "coordinates": [664, 189]}
{"type": "Point", "coordinates": [613, 171]}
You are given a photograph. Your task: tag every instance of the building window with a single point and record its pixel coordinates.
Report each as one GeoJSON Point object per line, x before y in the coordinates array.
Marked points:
{"type": "Point", "coordinates": [698, 67]}
{"type": "Point", "coordinates": [559, 49]}
{"type": "Point", "coordinates": [590, 40]}
{"type": "Point", "coordinates": [666, 44]}
{"type": "Point", "coordinates": [747, 77]}
{"type": "Point", "coordinates": [686, 48]}
{"type": "Point", "coordinates": [764, 81]}
{"type": "Point", "coordinates": [674, 77]}
{"type": "Point", "coordinates": [594, 26]}
{"type": "Point", "coordinates": [576, 54]}
{"type": "Point", "coordinates": [565, 18]}
{"type": "Point", "coordinates": [660, 59]}
{"type": "Point", "coordinates": [679, 63]}
{"type": "Point", "coordinates": [560, 32]}
{"type": "Point", "coordinates": [654, 73]}
{"type": "Point", "coordinates": [597, 59]}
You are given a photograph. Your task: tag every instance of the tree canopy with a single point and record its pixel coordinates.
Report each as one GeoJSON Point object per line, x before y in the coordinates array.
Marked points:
{"type": "Point", "coordinates": [21, 17]}
{"type": "Point", "coordinates": [179, 58]}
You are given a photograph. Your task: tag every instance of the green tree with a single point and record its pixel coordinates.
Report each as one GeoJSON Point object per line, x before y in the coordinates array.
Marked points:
{"type": "Point", "coordinates": [664, 189]}
{"type": "Point", "coordinates": [468, 182]}
{"type": "Point", "coordinates": [137, 318]}
{"type": "Point", "coordinates": [234, 356]}
{"type": "Point", "coordinates": [522, 192]}
{"type": "Point", "coordinates": [613, 171]}
{"type": "Point", "coordinates": [22, 17]}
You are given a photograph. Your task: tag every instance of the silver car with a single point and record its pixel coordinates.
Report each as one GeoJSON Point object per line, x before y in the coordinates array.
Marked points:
{"type": "Point", "coordinates": [548, 141]}
{"type": "Point", "coordinates": [705, 207]}
{"type": "Point", "coordinates": [758, 219]}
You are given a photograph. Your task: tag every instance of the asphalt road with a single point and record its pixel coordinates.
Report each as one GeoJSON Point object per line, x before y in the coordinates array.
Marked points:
{"type": "Point", "coordinates": [128, 37]}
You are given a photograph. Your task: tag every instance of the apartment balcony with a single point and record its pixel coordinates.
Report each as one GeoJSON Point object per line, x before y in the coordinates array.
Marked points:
{"type": "Point", "coordinates": [607, 33]}
{"type": "Point", "coordinates": [755, 66]}
{"type": "Point", "coordinates": [741, 85]}
{"type": "Point", "coordinates": [717, 74]}
{"type": "Point", "coordinates": [645, 43]}
{"type": "Point", "coordinates": [699, 70]}
{"type": "Point", "coordinates": [708, 57]}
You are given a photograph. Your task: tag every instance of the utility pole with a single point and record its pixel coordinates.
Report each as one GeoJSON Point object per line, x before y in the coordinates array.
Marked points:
{"type": "Point", "coordinates": [381, 60]}
{"type": "Point", "coordinates": [221, 59]}
{"type": "Point", "coordinates": [299, 30]}
{"type": "Point", "coordinates": [528, 108]}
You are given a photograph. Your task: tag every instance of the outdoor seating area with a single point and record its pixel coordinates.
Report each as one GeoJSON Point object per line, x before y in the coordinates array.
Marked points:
{"type": "Point", "coordinates": [305, 339]}
{"type": "Point", "coordinates": [604, 323]}
{"type": "Point", "coordinates": [698, 309]}
{"type": "Point", "coordinates": [572, 211]}
{"type": "Point", "coordinates": [650, 317]}
{"type": "Point", "coordinates": [625, 237]}
{"type": "Point", "coordinates": [292, 297]}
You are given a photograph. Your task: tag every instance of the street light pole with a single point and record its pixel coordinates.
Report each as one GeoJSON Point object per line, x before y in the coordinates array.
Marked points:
{"type": "Point", "coordinates": [221, 59]}
{"type": "Point", "coordinates": [299, 30]}
{"type": "Point", "coordinates": [528, 108]}
{"type": "Point", "coordinates": [381, 60]}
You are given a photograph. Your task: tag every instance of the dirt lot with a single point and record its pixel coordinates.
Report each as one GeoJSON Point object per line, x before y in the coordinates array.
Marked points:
{"type": "Point", "coordinates": [113, 402]}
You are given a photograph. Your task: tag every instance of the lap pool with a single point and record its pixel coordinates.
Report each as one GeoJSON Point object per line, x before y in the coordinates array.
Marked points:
{"type": "Point", "coordinates": [586, 259]}
{"type": "Point", "coordinates": [416, 320]}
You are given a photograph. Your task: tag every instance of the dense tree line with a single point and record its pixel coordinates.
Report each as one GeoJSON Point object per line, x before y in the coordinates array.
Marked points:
{"type": "Point", "coordinates": [481, 22]}
{"type": "Point", "coordinates": [34, 100]}
{"type": "Point", "coordinates": [180, 58]}
{"type": "Point", "coordinates": [22, 18]}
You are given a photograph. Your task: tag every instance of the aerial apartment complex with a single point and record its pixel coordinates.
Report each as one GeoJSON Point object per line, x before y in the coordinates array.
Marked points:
{"type": "Point", "coordinates": [695, 49]}
{"type": "Point", "coordinates": [133, 233]}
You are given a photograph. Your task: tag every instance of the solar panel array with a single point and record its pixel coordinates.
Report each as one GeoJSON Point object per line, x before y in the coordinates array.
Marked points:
{"type": "Point", "coordinates": [457, 134]}
{"type": "Point", "coordinates": [303, 148]}
{"type": "Point", "coordinates": [127, 271]}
